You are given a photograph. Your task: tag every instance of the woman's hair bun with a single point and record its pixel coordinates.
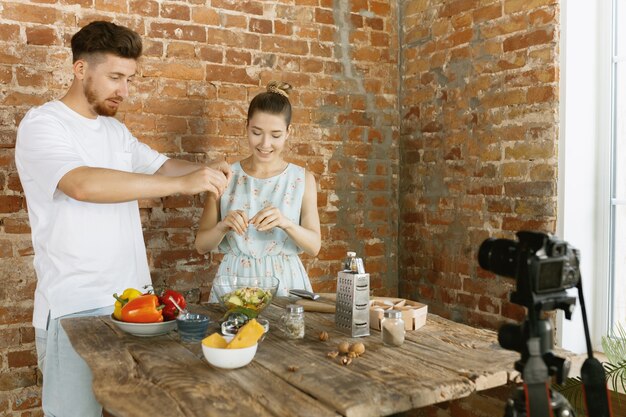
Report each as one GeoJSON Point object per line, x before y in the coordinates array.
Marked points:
{"type": "Point", "coordinates": [279, 87]}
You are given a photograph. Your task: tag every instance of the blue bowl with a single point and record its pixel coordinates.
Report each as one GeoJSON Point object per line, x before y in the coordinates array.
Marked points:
{"type": "Point", "coordinates": [192, 327]}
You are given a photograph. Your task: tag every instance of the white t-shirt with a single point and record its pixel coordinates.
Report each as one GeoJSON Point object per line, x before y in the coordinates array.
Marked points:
{"type": "Point", "coordinates": [84, 252]}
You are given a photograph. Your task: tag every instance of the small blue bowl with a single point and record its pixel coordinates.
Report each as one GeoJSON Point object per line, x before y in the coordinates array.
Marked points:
{"type": "Point", "coordinates": [192, 327]}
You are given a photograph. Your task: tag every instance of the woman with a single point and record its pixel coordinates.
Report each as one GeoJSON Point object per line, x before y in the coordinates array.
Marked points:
{"type": "Point", "coordinates": [268, 213]}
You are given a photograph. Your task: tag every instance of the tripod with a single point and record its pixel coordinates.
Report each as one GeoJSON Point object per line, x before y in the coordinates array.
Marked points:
{"type": "Point", "coordinates": [534, 341]}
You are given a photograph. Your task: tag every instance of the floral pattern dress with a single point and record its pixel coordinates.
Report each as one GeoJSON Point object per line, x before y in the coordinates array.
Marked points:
{"type": "Point", "coordinates": [271, 252]}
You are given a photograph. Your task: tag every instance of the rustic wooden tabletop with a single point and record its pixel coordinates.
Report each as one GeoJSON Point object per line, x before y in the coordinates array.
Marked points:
{"type": "Point", "coordinates": [137, 377]}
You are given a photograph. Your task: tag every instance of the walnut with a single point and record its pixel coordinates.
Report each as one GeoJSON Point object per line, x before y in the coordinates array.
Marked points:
{"type": "Point", "coordinates": [346, 360]}
{"type": "Point", "coordinates": [292, 368]}
{"type": "Point", "coordinates": [324, 336]}
{"type": "Point", "coordinates": [352, 355]}
{"type": "Point", "coordinates": [332, 354]}
{"type": "Point", "coordinates": [357, 348]}
{"type": "Point", "coordinates": [343, 347]}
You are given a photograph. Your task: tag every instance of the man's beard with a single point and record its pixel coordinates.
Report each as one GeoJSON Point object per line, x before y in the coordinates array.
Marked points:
{"type": "Point", "coordinates": [98, 106]}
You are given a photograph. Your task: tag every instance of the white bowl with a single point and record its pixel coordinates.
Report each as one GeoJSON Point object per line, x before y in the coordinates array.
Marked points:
{"type": "Point", "coordinates": [145, 329]}
{"type": "Point", "coordinates": [229, 358]}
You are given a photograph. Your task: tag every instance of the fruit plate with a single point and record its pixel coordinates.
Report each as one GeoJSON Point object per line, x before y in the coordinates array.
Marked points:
{"type": "Point", "coordinates": [145, 329]}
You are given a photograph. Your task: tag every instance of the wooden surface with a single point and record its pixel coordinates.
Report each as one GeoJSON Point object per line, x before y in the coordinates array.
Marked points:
{"type": "Point", "coordinates": [137, 377]}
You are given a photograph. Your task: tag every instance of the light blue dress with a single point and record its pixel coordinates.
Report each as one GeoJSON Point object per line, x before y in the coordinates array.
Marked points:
{"type": "Point", "coordinates": [267, 253]}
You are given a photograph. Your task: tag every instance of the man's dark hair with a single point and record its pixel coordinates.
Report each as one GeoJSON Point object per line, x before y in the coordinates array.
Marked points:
{"type": "Point", "coordinates": [106, 37]}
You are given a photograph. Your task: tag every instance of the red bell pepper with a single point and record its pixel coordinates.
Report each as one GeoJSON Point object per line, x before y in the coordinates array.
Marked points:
{"type": "Point", "coordinates": [170, 312]}
{"type": "Point", "coordinates": [143, 309]}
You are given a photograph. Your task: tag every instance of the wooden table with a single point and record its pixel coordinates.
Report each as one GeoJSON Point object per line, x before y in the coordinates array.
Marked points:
{"type": "Point", "coordinates": [137, 377]}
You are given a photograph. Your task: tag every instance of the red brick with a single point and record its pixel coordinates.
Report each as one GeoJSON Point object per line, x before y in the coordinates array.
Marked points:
{"type": "Point", "coordinates": [22, 358]}
{"type": "Point", "coordinates": [15, 314]}
{"type": "Point", "coordinates": [245, 6]}
{"type": "Point", "coordinates": [324, 16]}
{"type": "Point", "coordinates": [456, 7]}
{"type": "Point", "coordinates": [17, 379]}
{"type": "Point", "coordinates": [489, 12]}
{"type": "Point", "coordinates": [211, 54]}
{"type": "Point", "coordinates": [179, 32]}
{"type": "Point", "coordinates": [375, 23]}
{"type": "Point", "coordinates": [181, 50]}
{"type": "Point", "coordinates": [283, 28]}
{"type": "Point", "coordinates": [117, 6]}
{"type": "Point", "coordinates": [380, 8]}
{"type": "Point", "coordinates": [147, 8]}
{"type": "Point", "coordinates": [260, 25]}
{"type": "Point", "coordinates": [332, 252]}
{"type": "Point", "coordinates": [540, 94]}
{"type": "Point", "coordinates": [11, 203]}
{"type": "Point", "coordinates": [30, 13]}
{"type": "Point", "coordinates": [282, 45]}
{"type": "Point", "coordinates": [238, 57]}
{"type": "Point", "coordinates": [228, 74]}
{"type": "Point", "coordinates": [175, 11]}
{"type": "Point", "coordinates": [205, 15]}
{"type": "Point", "coordinates": [525, 40]}
{"type": "Point", "coordinates": [514, 6]}
{"type": "Point", "coordinates": [9, 32]}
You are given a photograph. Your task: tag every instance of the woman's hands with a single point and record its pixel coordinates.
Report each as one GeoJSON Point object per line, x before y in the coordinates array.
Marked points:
{"type": "Point", "coordinates": [236, 220]}
{"type": "Point", "coordinates": [269, 218]}
{"type": "Point", "coordinates": [264, 220]}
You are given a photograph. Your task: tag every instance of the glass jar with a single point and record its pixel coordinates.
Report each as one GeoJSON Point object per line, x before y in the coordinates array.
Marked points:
{"type": "Point", "coordinates": [292, 321]}
{"type": "Point", "coordinates": [349, 264]}
{"type": "Point", "coordinates": [392, 328]}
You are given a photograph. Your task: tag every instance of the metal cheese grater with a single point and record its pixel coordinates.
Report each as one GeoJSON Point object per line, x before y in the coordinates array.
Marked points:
{"type": "Point", "coordinates": [352, 307]}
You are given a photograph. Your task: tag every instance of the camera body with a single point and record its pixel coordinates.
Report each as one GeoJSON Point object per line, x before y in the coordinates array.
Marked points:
{"type": "Point", "coordinates": [543, 266]}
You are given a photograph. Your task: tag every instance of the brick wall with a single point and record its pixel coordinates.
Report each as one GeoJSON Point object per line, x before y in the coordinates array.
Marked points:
{"type": "Point", "coordinates": [474, 114]}
{"type": "Point", "coordinates": [204, 61]}
{"type": "Point", "coordinates": [478, 145]}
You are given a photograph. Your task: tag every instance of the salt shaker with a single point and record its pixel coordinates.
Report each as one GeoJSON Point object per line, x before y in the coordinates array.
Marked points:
{"type": "Point", "coordinates": [349, 264]}
{"type": "Point", "coordinates": [292, 321]}
{"type": "Point", "coordinates": [392, 328]}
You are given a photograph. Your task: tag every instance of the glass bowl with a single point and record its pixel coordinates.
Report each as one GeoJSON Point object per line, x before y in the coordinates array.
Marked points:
{"type": "Point", "coordinates": [245, 295]}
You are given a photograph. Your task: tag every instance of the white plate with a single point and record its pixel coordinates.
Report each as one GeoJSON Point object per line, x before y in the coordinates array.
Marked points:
{"type": "Point", "coordinates": [145, 329]}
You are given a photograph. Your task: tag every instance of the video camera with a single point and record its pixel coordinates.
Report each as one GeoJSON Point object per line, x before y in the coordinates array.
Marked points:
{"type": "Point", "coordinates": [544, 269]}
{"type": "Point", "coordinates": [543, 266]}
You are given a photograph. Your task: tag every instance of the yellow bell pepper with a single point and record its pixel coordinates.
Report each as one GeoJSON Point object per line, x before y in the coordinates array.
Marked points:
{"type": "Point", "coordinates": [122, 300]}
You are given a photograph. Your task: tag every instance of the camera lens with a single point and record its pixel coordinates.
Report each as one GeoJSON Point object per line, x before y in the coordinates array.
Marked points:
{"type": "Point", "coordinates": [498, 256]}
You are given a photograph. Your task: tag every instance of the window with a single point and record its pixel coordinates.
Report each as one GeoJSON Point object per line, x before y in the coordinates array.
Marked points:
{"type": "Point", "coordinates": [585, 161]}
{"type": "Point", "coordinates": [617, 289]}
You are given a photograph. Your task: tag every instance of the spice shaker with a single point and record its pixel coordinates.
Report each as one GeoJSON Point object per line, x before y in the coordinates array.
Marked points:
{"type": "Point", "coordinates": [349, 264]}
{"type": "Point", "coordinates": [392, 328]}
{"type": "Point", "coordinates": [292, 321]}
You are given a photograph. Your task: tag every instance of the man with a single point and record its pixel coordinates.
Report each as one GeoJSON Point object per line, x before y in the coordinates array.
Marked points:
{"type": "Point", "coordinates": [82, 173]}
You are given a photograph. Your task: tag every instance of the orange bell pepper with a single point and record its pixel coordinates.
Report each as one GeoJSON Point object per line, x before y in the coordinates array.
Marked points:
{"type": "Point", "coordinates": [143, 309]}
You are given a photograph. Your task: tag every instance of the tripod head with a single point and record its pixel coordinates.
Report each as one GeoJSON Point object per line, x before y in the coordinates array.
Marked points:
{"type": "Point", "coordinates": [544, 268]}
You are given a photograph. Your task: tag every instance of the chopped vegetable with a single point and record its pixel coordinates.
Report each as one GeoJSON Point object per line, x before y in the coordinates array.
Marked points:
{"type": "Point", "coordinates": [252, 298]}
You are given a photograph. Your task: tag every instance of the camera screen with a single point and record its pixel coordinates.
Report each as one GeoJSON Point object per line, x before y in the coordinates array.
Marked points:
{"type": "Point", "coordinates": [550, 276]}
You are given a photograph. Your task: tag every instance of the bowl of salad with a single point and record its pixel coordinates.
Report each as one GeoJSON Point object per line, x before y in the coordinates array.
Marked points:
{"type": "Point", "coordinates": [246, 295]}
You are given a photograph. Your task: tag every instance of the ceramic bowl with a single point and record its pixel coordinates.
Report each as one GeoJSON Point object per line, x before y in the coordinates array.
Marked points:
{"type": "Point", "coordinates": [145, 329]}
{"type": "Point", "coordinates": [229, 358]}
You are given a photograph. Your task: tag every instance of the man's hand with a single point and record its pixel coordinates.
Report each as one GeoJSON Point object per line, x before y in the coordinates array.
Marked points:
{"type": "Point", "coordinates": [204, 179]}
{"type": "Point", "coordinates": [222, 165]}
